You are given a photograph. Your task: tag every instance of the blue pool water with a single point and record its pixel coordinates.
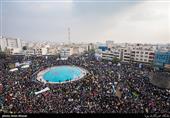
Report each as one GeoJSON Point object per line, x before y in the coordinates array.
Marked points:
{"type": "Point", "coordinates": [63, 74]}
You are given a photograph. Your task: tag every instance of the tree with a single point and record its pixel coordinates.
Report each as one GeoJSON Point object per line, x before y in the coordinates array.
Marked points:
{"type": "Point", "coordinates": [92, 50]}
{"type": "Point", "coordinates": [59, 56]}
{"type": "Point", "coordinates": [24, 48]}
{"type": "Point", "coordinates": [152, 64]}
{"type": "Point", "coordinates": [7, 51]}
{"type": "Point", "coordinates": [2, 55]}
{"type": "Point", "coordinates": [115, 60]}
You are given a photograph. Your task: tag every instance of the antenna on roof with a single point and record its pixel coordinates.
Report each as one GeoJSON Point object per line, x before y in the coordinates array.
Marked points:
{"type": "Point", "coordinates": [69, 36]}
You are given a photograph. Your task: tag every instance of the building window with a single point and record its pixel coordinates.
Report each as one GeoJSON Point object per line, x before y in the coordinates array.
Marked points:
{"type": "Point", "coordinates": [146, 52]}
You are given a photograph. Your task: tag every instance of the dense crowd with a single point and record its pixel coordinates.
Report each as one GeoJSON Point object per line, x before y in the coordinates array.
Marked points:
{"type": "Point", "coordinates": [107, 88]}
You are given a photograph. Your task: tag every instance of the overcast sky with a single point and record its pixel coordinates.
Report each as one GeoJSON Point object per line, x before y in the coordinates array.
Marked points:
{"type": "Point", "coordinates": [134, 21]}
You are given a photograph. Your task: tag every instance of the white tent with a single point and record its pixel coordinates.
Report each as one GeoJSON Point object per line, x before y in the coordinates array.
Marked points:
{"type": "Point", "coordinates": [25, 66]}
{"type": "Point", "coordinates": [41, 91]}
{"type": "Point", "coordinates": [14, 69]}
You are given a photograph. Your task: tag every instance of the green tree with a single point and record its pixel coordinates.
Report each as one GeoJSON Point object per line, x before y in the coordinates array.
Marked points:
{"type": "Point", "coordinates": [115, 60]}
{"type": "Point", "coordinates": [24, 48]}
{"type": "Point", "coordinates": [7, 51]}
{"type": "Point", "coordinates": [152, 64]}
{"type": "Point", "coordinates": [2, 55]}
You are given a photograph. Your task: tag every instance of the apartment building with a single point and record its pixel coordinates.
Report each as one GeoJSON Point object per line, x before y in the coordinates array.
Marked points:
{"type": "Point", "coordinates": [126, 54]}
{"type": "Point", "coordinates": [52, 51]}
{"type": "Point", "coordinates": [65, 52]}
{"type": "Point", "coordinates": [142, 53]}
{"type": "Point", "coordinates": [129, 53]}
{"type": "Point", "coordinates": [30, 51]}
{"type": "Point", "coordinates": [13, 45]}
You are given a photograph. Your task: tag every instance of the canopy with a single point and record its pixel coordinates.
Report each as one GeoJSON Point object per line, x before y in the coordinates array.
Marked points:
{"type": "Point", "coordinates": [14, 69]}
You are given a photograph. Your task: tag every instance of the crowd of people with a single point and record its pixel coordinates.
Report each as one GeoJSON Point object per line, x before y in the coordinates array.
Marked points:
{"type": "Point", "coordinates": [107, 88]}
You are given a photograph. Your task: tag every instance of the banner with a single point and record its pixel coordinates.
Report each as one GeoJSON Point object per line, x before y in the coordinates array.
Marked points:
{"type": "Point", "coordinates": [14, 69]}
{"type": "Point", "coordinates": [41, 91]}
{"type": "Point", "coordinates": [25, 66]}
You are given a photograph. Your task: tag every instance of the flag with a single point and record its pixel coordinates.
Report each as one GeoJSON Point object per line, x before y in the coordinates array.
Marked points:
{"type": "Point", "coordinates": [113, 87]}
{"type": "Point", "coordinates": [118, 93]}
{"type": "Point", "coordinates": [134, 93]}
